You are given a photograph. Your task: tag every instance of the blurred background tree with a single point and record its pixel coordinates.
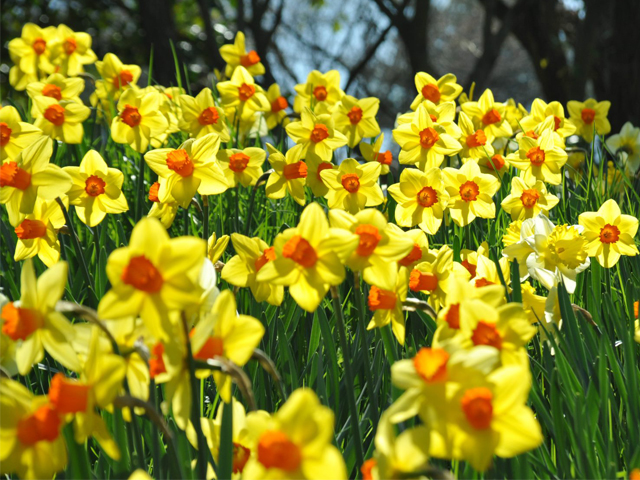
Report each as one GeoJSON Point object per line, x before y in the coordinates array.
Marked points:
{"type": "Point", "coordinates": [522, 49]}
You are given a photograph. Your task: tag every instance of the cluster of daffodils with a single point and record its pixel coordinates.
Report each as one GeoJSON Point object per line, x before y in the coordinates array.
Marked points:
{"type": "Point", "coordinates": [164, 321]}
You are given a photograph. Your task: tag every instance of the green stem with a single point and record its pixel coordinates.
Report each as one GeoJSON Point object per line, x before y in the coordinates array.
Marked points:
{"type": "Point", "coordinates": [365, 348]}
{"type": "Point", "coordinates": [140, 188]}
{"type": "Point", "coordinates": [348, 373]}
{"type": "Point", "coordinates": [389, 348]}
{"type": "Point", "coordinates": [205, 217]}
{"type": "Point", "coordinates": [155, 450]}
{"type": "Point", "coordinates": [225, 460]}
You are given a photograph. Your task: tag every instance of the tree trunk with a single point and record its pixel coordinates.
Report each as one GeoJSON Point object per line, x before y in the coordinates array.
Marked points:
{"type": "Point", "coordinates": [156, 19]}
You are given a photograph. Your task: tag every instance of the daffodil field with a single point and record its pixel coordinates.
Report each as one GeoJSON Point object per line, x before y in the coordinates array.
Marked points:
{"type": "Point", "coordinates": [243, 282]}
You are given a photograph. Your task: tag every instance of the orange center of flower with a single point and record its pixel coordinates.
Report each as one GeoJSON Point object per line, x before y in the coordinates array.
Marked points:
{"type": "Point", "coordinates": [279, 104]}
{"type": "Point", "coordinates": [609, 234]}
{"type": "Point", "coordinates": [536, 156]}
{"type": "Point", "coordinates": [491, 117]}
{"type": "Point", "coordinates": [320, 93]}
{"type": "Point", "coordinates": [431, 364]}
{"type": "Point", "coordinates": [20, 322]}
{"type": "Point", "coordinates": [246, 91]}
{"type": "Point", "coordinates": [427, 197]}
{"type": "Point", "coordinates": [431, 92]}
{"type": "Point", "coordinates": [249, 59]}
{"type": "Point", "coordinates": [557, 121]}
{"type": "Point", "coordinates": [477, 406]}
{"type": "Point", "coordinates": [319, 133]}
{"type": "Point", "coordinates": [5, 134]}
{"type": "Point", "coordinates": [422, 281]}
{"type": "Point", "coordinates": [532, 134]}
{"type": "Point", "coordinates": [351, 182]}
{"type": "Point", "coordinates": [11, 175]}
{"type": "Point", "coordinates": [497, 162]}
{"type": "Point", "coordinates": [325, 166]}
{"type": "Point", "coordinates": [471, 268]}
{"type": "Point", "coordinates": [39, 46]}
{"type": "Point", "coordinates": [414, 255]}
{"type": "Point", "coordinates": [529, 198]}
{"type": "Point", "coordinates": [476, 139]}
{"type": "Point", "coordinates": [241, 456]}
{"type": "Point", "coordinates": [355, 115]}
{"type": "Point", "coordinates": [153, 192]}
{"type": "Point", "coordinates": [367, 467]}
{"type": "Point", "coordinates": [276, 450]}
{"type": "Point", "coordinates": [209, 116]}
{"type": "Point", "coordinates": [131, 116]}
{"type": "Point", "coordinates": [588, 115]}
{"type": "Point", "coordinates": [213, 347]}
{"type": "Point", "coordinates": [469, 191]}
{"type": "Point", "coordinates": [94, 186]}
{"type": "Point", "coordinates": [70, 45]}
{"type": "Point", "coordinates": [267, 256]}
{"type": "Point", "coordinates": [428, 137]}
{"type": "Point", "coordinates": [55, 114]}
{"type": "Point", "coordinates": [238, 162]}
{"type": "Point", "coordinates": [295, 170]}
{"type": "Point", "coordinates": [486, 333]}
{"type": "Point", "coordinates": [433, 117]}
{"type": "Point", "coordinates": [41, 425]}
{"type": "Point", "coordinates": [385, 158]}
{"type": "Point", "coordinates": [179, 162]}
{"type": "Point", "coordinates": [68, 396]}
{"type": "Point", "coordinates": [53, 91]}
{"type": "Point", "coordinates": [156, 362]}
{"type": "Point", "coordinates": [300, 251]}
{"type": "Point", "coordinates": [141, 274]}
{"type": "Point", "coordinates": [453, 316]}
{"type": "Point", "coordinates": [369, 239]}
{"type": "Point", "coordinates": [125, 78]}
{"type": "Point", "coordinates": [381, 299]}
{"type": "Point", "coordinates": [482, 282]}
{"type": "Point", "coordinates": [30, 229]}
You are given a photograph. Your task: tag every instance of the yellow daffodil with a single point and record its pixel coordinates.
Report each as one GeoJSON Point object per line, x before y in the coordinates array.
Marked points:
{"type": "Point", "coordinates": [201, 116]}
{"type": "Point", "coordinates": [296, 442]}
{"type": "Point", "coordinates": [31, 53]}
{"type": "Point", "coordinates": [308, 258]}
{"type": "Point", "coordinates": [512, 233]}
{"type": "Point", "coordinates": [96, 189]}
{"type": "Point", "coordinates": [167, 109]}
{"type": "Point", "coordinates": [475, 142]}
{"type": "Point", "coordinates": [373, 153]}
{"type": "Point", "coordinates": [242, 95]}
{"type": "Point", "coordinates": [495, 165]}
{"type": "Point", "coordinates": [356, 119]}
{"type": "Point", "coordinates": [315, 182]}
{"type": "Point", "coordinates": [514, 113]}
{"type": "Point", "coordinates": [116, 76]}
{"type": "Point", "coordinates": [243, 268]}
{"type": "Point", "coordinates": [420, 251]}
{"type": "Point", "coordinates": [379, 246]}
{"type": "Point", "coordinates": [609, 233]}
{"type": "Point", "coordinates": [139, 119]}
{"type": "Point", "coordinates": [540, 111]}
{"type": "Point", "coordinates": [387, 306]}
{"type": "Point", "coordinates": [320, 93]}
{"type": "Point", "coordinates": [163, 211]}
{"type": "Point", "coordinates": [470, 193]}
{"type": "Point", "coordinates": [434, 276]}
{"type": "Point", "coordinates": [590, 116]}
{"type": "Point", "coordinates": [29, 176]}
{"type": "Point", "coordinates": [626, 144]}
{"type": "Point", "coordinates": [289, 174]}
{"type": "Point", "coordinates": [317, 134]}
{"type": "Point", "coordinates": [353, 186]}
{"type": "Point", "coordinates": [216, 247]}
{"type": "Point", "coordinates": [61, 120]}
{"type": "Point", "coordinates": [191, 168]}
{"type": "Point", "coordinates": [58, 87]}
{"type": "Point", "coordinates": [72, 51]}
{"type": "Point", "coordinates": [15, 135]}
{"type": "Point", "coordinates": [224, 333]}
{"type": "Point", "coordinates": [242, 167]}
{"type": "Point", "coordinates": [152, 275]}
{"type": "Point", "coordinates": [445, 89]}
{"type": "Point", "coordinates": [540, 158]}
{"type": "Point", "coordinates": [423, 142]}
{"type": "Point", "coordinates": [486, 272]}
{"type": "Point", "coordinates": [32, 443]}
{"type": "Point", "coordinates": [236, 54]}
{"type": "Point", "coordinates": [442, 113]}
{"type": "Point", "coordinates": [34, 323]}
{"type": "Point", "coordinates": [489, 115]}
{"type": "Point", "coordinates": [277, 115]}
{"type": "Point", "coordinates": [421, 198]}
{"type": "Point", "coordinates": [38, 233]}
{"type": "Point", "coordinates": [528, 198]}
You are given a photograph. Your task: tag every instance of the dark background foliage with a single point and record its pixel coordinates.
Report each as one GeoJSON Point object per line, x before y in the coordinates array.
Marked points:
{"type": "Point", "coordinates": [522, 49]}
